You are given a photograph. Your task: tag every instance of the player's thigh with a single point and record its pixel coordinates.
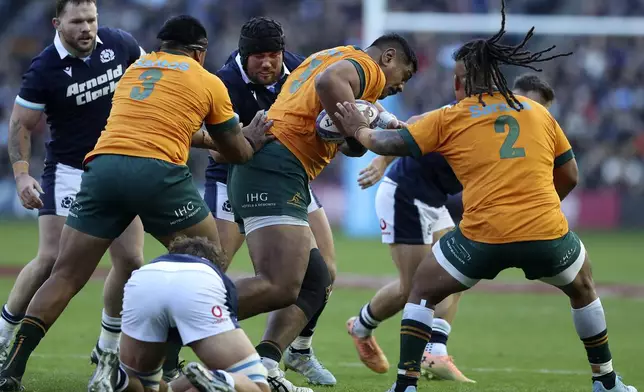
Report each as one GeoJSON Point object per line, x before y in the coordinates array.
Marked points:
{"type": "Point", "coordinates": [466, 260]}
{"type": "Point", "coordinates": [270, 195]}
{"type": "Point", "coordinates": [216, 197]}
{"type": "Point", "coordinates": [50, 228]}
{"type": "Point", "coordinates": [173, 206]}
{"type": "Point", "coordinates": [60, 184]}
{"type": "Point", "coordinates": [100, 208]}
{"type": "Point", "coordinates": [407, 258]}
{"type": "Point", "coordinates": [223, 350]}
{"type": "Point", "coordinates": [556, 262]}
{"type": "Point", "coordinates": [127, 249]}
{"type": "Point", "coordinates": [323, 235]}
{"type": "Point", "coordinates": [144, 357]}
{"type": "Point", "coordinates": [280, 252]}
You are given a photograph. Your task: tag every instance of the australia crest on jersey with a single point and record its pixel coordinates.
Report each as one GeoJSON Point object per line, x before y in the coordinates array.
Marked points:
{"type": "Point", "coordinates": [107, 55]}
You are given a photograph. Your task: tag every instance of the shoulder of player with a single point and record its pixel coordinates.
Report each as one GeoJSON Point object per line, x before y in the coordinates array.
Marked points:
{"type": "Point", "coordinates": [229, 74]}
{"type": "Point", "coordinates": [45, 60]}
{"type": "Point", "coordinates": [293, 60]}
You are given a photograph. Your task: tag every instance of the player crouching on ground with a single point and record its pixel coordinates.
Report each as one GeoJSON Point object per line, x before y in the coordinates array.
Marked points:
{"type": "Point", "coordinates": [187, 290]}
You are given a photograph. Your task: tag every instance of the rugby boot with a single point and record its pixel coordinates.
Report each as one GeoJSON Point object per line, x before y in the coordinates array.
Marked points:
{"type": "Point", "coordinates": [173, 374]}
{"type": "Point", "coordinates": [205, 380]}
{"type": "Point", "coordinates": [309, 366]}
{"type": "Point", "coordinates": [5, 348]}
{"type": "Point", "coordinates": [441, 367]}
{"type": "Point", "coordinates": [104, 377]}
{"type": "Point", "coordinates": [409, 388]}
{"type": "Point", "coordinates": [11, 384]}
{"type": "Point", "coordinates": [368, 350]}
{"type": "Point", "coordinates": [279, 383]}
{"type": "Point", "coordinates": [619, 387]}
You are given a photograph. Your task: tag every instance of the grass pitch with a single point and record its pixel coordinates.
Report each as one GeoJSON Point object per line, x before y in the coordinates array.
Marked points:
{"type": "Point", "coordinates": [507, 342]}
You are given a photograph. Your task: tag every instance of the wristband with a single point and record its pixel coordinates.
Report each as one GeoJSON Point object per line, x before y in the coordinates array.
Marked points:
{"type": "Point", "coordinates": [20, 167]}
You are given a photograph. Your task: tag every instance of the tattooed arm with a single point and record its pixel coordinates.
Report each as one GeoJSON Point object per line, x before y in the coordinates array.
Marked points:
{"type": "Point", "coordinates": [23, 122]}
{"type": "Point", "coordinates": [383, 142]}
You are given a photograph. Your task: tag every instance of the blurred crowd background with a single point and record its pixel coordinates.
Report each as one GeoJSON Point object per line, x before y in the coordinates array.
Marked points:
{"type": "Point", "coordinates": [600, 90]}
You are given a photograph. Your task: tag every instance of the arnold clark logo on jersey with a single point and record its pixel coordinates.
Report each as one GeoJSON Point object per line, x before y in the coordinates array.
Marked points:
{"type": "Point", "coordinates": [95, 88]}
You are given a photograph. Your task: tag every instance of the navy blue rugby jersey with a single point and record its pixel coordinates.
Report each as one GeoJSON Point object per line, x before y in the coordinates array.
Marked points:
{"type": "Point", "coordinates": [247, 98]}
{"type": "Point", "coordinates": [76, 94]}
{"type": "Point", "coordinates": [428, 178]}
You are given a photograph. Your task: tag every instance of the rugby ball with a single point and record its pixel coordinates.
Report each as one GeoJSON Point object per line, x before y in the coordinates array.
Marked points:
{"type": "Point", "coordinates": [329, 133]}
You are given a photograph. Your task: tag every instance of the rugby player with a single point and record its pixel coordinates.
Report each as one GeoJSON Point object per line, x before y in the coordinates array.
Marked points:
{"type": "Point", "coordinates": [254, 76]}
{"type": "Point", "coordinates": [410, 204]}
{"type": "Point", "coordinates": [184, 289]}
{"type": "Point", "coordinates": [270, 194]}
{"type": "Point", "coordinates": [138, 167]}
{"type": "Point", "coordinates": [516, 165]}
{"type": "Point", "coordinates": [72, 82]}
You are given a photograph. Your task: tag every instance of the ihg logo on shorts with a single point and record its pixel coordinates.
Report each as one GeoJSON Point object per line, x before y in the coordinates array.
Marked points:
{"type": "Point", "coordinates": [184, 212]}
{"type": "Point", "coordinates": [259, 199]}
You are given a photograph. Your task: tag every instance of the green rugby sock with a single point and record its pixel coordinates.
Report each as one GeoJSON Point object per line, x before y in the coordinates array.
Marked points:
{"type": "Point", "coordinates": [27, 339]}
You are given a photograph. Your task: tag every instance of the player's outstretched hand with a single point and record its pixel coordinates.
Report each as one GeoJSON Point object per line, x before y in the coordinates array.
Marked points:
{"type": "Point", "coordinates": [351, 118]}
{"type": "Point", "coordinates": [29, 191]}
{"type": "Point", "coordinates": [255, 132]}
{"type": "Point", "coordinates": [371, 174]}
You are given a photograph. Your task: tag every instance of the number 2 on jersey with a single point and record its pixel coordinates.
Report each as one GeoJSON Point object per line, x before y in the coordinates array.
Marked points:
{"type": "Point", "coordinates": [508, 151]}
{"type": "Point", "coordinates": [149, 78]}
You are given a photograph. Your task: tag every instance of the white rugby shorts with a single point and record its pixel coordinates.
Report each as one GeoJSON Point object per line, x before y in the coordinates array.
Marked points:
{"type": "Point", "coordinates": [60, 183]}
{"type": "Point", "coordinates": [405, 220]}
{"type": "Point", "coordinates": [189, 296]}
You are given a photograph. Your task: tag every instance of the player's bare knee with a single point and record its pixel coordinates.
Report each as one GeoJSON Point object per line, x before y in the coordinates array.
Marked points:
{"type": "Point", "coordinates": [126, 263]}
{"type": "Point", "coordinates": [332, 267]}
{"type": "Point", "coordinates": [316, 286]}
{"type": "Point", "coordinates": [285, 293]}
{"type": "Point", "coordinates": [44, 261]}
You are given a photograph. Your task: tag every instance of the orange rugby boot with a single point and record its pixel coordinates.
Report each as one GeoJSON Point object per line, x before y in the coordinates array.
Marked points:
{"type": "Point", "coordinates": [441, 367]}
{"type": "Point", "coordinates": [368, 350]}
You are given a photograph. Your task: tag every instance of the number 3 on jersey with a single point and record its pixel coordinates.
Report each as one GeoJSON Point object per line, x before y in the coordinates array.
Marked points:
{"type": "Point", "coordinates": [508, 151]}
{"type": "Point", "coordinates": [149, 78]}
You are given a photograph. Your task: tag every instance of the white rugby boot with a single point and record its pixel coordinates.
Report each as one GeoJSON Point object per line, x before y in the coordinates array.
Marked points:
{"type": "Point", "coordinates": [309, 366]}
{"type": "Point", "coordinates": [5, 348]}
{"type": "Point", "coordinates": [619, 387]}
{"type": "Point", "coordinates": [205, 380]}
{"type": "Point", "coordinates": [104, 376]}
{"type": "Point", "coordinates": [279, 383]}
{"type": "Point", "coordinates": [410, 388]}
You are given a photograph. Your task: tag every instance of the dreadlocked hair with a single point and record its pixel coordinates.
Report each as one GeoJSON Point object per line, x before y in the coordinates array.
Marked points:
{"type": "Point", "coordinates": [482, 59]}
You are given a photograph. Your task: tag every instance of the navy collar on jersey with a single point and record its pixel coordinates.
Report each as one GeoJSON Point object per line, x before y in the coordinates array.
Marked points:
{"type": "Point", "coordinates": [285, 71]}
{"type": "Point", "coordinates": [64, 52]}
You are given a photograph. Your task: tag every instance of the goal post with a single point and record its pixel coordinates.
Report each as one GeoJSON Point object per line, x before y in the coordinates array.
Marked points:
{"type": "Point", "coordinates": [359, 212]}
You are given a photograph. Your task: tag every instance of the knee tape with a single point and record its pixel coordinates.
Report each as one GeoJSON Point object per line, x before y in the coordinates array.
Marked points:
{"type": "Point", "coordinates": [149, 380]}
{"type": "Point", "coordinates": [252, 368]}
{"type": "Point", "coordinates": [316, 285]}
